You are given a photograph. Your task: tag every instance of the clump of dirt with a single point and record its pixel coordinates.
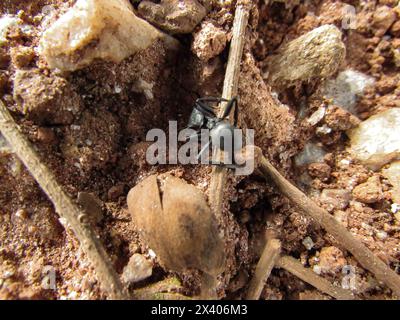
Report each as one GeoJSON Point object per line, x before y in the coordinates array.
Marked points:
{"type": "Point", "coordinates": [90, 126]}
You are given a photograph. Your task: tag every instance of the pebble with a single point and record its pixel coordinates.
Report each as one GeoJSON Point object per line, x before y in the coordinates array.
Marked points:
{"type": "Point", "coordinates": [209, 42]}
{"type": "Point", "coordinates": [111, 28]}
{"type": "Point", "coordinates": [311, 153]}
{"type": "Point", "coordinates": [317, 54]}
{"type": "Point", "coordinates": [137, 269]}
{"type": "Point", "coordinates": [370, 191]}
{"type": "Point", "coordinates": [381, 235]}
{"type": "Point", "coordinates": [92, 205]}
{"type": "Point", "coordinates": [6, 22]}
{"type": "Point", "coordinates": [331, 260]}
{"type": "Point", "coordinates": [317, 116]}
{"type": "Point", "coordinates": [382, 20]}
{"type": "Point", "coordinates": [308, 243]}
{"type": "Point", "coordinates": [173, 16]}
{"type": "Point", "coordinates": [319, 170]}
{"type": "Point", "coordinates": [392, 173]}
{"type": "Point", "coordinates": [340, 119]}
{"type": "Point", "coordinates": [375, 142]}
{"type": "Point", "coordinates": [22, 56]}
{"type": "Point", "coordinates": [335, 198]}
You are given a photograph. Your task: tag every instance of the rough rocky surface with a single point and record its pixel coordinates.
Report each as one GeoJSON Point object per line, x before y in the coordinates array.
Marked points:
{"type": "Point", "coordinates": [174, 16]}
{"type": "Point", "coordinates": [209, 41]}
{"type": "Point", "coordinates": [45, 100]}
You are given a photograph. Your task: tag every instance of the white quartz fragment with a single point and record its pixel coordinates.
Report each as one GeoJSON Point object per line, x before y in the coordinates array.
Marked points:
{"type": "Point", "coordinates": [96, 29]}
{"type": "Point", "coordinates": [376, 141]}
{"type": "Point", "coordinates": [317, 116]}
{"type": "Point", "coordinates": [347, 88]}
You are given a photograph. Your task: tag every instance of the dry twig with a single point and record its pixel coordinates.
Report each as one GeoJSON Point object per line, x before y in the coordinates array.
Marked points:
{"type": "Point", "coordinates": [296, 268]}
{"type": "Point", "coordinates": [64, 206]}
{"type": "Point", "coordinates": [230, 89]}
{"type": "Point", "coordinates": [264, 267]}
{"type": "Point", "coordinates": [364, 256]}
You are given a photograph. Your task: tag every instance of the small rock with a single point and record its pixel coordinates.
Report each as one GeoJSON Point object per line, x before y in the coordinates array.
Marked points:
{"type": "Point", "coordinates": [137, 269]}
{"type": "Point", "coordinates": [331, 260]}
{"type": "Point", "coordinates": [395, 29]}
{"type": "Point", "coordinates": [46, 135]}
{"type": "Point", "coordinates": [209, 42]}
{"type": "Point", "coordinates": [392, 173]}
{"type": "Point", "coordinates": [22, 56]}
{"type": "Point", "coordinates": [311, 153]}
{"type": "Point", "coordinates": [115, 192]}
{"type": "Point", "coordinates": [375, 141]}
{"type": "Point", "coordinates": [308, 243]}
{"type": "Point", "coordinates": [45, 100]}
{"type": "Point", "coordinates": [381, 235]}
{"type": "Point", "coordinates": [370, 191]}
{"type": "Point", "coordinates": [317, 54]}
{"type": "Point", "coordinates": [92, 205]}
{"type": "Point", "coordinates": [342, 217]}
{"type": "Point", "coordinates": [321, 171]}
{"type": "Point", "coordinates": [340, 119]}
{"type": "Point", "coordinates": [335, 198]}
{"type": "Point", "coordinates": [174, 16]}
{"type": "Point", "coordinates": [317, 116]}
{"type": "Point", "coordinates": [347, 88]}
{"type": "Point", "coordinates": [383, 18]}
{"type": "Point", "coordinates": [6, 22]}
{"type": "Point", "coordinates": [96, 29]}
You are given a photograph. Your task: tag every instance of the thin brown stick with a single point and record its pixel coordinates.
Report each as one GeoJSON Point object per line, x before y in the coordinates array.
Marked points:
{"type": "Point", "coordinates": [219, 174]}
{"type": "Point", "coordinates": [296, 268]}
{"type": "Point", "coordinates": [64, 206]}
{"type": "Point", "coordinates": [263, 269]}
{"type": "Point", "coordinates": [364, 256]}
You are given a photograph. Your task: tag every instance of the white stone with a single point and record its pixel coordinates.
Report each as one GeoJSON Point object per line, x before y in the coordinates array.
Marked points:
{"type": "Point", "coordinates": [317, 116]}
{"type": "Point", "coordinates": [395, 208]}
{"type": "Point", "coordinates": [347, 88]}
{"type": "Point", "coordinates": [376, 141]}
{"type": "Point", "coordinates": [308, 243]}
{"type": "Point", "coordinates": [6, 22]}
{"type": "Point", "coordinates": [95, 29]}
{"type": "Point", "coordinates": [137, 269]}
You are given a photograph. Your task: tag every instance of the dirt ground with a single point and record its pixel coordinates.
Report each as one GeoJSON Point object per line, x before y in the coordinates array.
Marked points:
{"type": "Point", "coordinates": [99, 147]}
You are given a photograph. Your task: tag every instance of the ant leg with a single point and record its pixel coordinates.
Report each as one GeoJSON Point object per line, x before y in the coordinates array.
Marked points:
{"type": "Point", "coordinates": [231, 103]}
{"type": "Point", "coordinates": [211, 99]}
{"type": "Point", "coordinates": [206, 110]}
